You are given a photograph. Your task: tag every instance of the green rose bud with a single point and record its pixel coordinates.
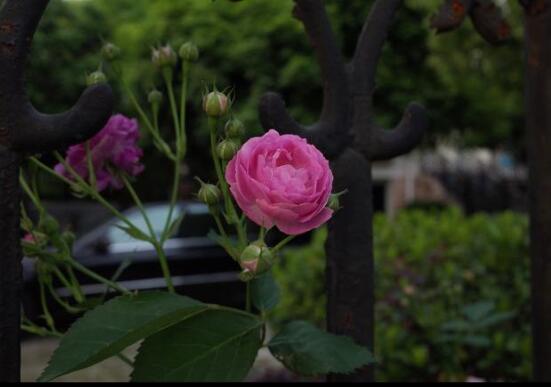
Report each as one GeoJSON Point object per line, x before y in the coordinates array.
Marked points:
{"type": "Point", "coordinates": [234, 128]}
{"type": "Point", "coordinates": [96, 78]}
{"type": "Point", "coordinates": [155, 97]}
{"type": "Point", "coordinates": [215, 104]}
{"type": "Point", "coordinates": [189, 52]}
{"type": "Point", "coordinates": [110, 52]}
{"type": "Point", "coordinates": [164, 56]}
{"type": "Point", "coordinates": [209, 194]}
{"type": "Point", "coordinates": [227, 149]}
{"type": "Point", "coordinates": [255, 259]}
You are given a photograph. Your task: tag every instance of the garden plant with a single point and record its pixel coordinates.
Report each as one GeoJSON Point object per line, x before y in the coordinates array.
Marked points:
{"type": "Point", "coordinates": [292, 178]}
{"type": "Point", "coordinates": [276, 181]}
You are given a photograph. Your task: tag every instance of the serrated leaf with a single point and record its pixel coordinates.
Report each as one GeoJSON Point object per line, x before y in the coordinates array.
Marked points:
{"type": "Point", "coordinates": [265, 292]}
{"type": "Point", "coordinates": [309, 351]}
{"type": "Point", "coordinates": [216, 346]}
{"type": "Point", "coordinates": [135, 233]}
{"type": "Point", "coordinates": [113, 326]}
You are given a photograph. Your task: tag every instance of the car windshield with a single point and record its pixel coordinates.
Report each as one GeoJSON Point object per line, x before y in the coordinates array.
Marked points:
{"type": "Point", "coordinates": [196, 223]}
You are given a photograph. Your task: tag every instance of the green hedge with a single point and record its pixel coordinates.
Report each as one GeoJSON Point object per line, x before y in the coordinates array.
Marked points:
{"type": "Point", "coordinates": [452, 295]}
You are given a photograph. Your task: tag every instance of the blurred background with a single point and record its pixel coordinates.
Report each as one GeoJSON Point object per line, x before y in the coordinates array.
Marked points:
{"type": "Point", "coordinates": [451, 242]}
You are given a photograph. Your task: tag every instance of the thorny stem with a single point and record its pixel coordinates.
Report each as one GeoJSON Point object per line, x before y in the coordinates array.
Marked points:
{"type": "Point", "coordinates": [248, 301]}
{"type": "Point", "coordinates": [167, 75]}
{"type": "Point", "coordinates": [154, 240]}
{"type": "Point", "coordinates": [153, 128]}
{"type": "Point", "coordinates": [230, 209]}
{"type": "Point", "coordinates": [282, 244]}
{"type": "Point", "coordinates": [183, 101]}
{"type": "Point", "coordinates": [83, 269]}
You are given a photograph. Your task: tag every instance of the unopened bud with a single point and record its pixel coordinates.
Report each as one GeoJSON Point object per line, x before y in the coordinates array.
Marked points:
{"type": "Point", "coordinates": [234, 128]}
{"type": "Point", "coordinates": [96, 78]}
{"type": "Point", "coordinates": [209, 194]}
{"type": "Point", "coordinates": [155, 97]}
{"type": "Point", "coordinates": [215, 104]}
{"type": "Point", "coordinates": [227, 149]}
{"type": "Point", "coordinates": [164, 56]}
{"type": "Point", "coordinates": [110, 52]}
{"type": "Point", "coordinates": [256, 259]}
{"type": "Point", "coordinates": [189, 52]}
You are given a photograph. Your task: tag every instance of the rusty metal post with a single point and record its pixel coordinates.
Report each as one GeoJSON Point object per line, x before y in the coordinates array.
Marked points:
{"type": "Point", "coordinates": [348, 135]}
{"type": "Point", "coordinates": [538, 124]}
{"type": "Point", "coordinates": [23, 129]}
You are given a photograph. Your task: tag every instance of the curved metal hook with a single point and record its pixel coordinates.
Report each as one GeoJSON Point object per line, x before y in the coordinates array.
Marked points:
{"type": "Point", "coordinates": [22, 127]}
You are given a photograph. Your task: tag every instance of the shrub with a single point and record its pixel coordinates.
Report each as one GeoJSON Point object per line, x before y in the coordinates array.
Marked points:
{"type": "Point", "coordinates": [452, 294]}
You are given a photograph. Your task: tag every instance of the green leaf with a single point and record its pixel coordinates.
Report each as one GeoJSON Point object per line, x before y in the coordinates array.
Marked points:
{"type": "Point", "coordinates": [456, 325]}
{"type": "Point", "coordinates": [113, 326]}
{"type": "Point", "coordinates": [220, 345]}
{"type": "Point", "coordinates": [495, 319]}
{"type": "Point", "coordinates": [135, 233]}
{"type": "Point", "coordinates": [265, 292]}
{"type": "Point", "coordinates": [477, 341]}
{"type": "Point", "coordinates": [478, 310]}
{"type": "Point", "coordinates": [309, 351]}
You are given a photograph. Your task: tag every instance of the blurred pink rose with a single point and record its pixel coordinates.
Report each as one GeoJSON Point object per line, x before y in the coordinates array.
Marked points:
{"type": "Point", "coordinates": [114, 146]}
{"type": "Point", "coordinates": [282, 181]}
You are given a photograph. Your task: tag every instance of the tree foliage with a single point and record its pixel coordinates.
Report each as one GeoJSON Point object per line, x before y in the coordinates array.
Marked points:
{"type": "Point", "coordinates": [469, 87]}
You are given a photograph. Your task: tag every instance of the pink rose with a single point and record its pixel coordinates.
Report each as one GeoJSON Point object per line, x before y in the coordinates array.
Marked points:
{"type": "Point", "coordinates": [282, 181]}
{"type": "Point", "coordinates": [114, 146]}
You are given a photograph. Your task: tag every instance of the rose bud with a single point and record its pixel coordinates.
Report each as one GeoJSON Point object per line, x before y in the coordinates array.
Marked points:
{"type": "Point", "coordinates": [164, 57]}
{"type": "Point", "coordinates": [215, 104]}
{"type": "Point", "coordinates": [110, 52]}
{"type": "Point", "coordinates": [234, 128]}
{"type": "Point", "coordinates": [155, 97]}
{"type": "Point", "coordinates": [189, 52]}
{"type": "Point", "coordinates": [256, 258]}
{"type": "Point", "coordinates": [96, 78]}
{"type": "Point", "coordinates": [209, 194]}
{"type": "Point", "coordinates": [227, 149]}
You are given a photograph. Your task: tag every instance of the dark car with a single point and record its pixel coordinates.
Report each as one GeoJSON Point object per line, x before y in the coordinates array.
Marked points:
{"type": "Point", "coordinates": [200, 268]}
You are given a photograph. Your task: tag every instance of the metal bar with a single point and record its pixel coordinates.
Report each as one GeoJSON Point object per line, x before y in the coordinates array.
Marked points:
{"type": "Point", "coordinates": [538, 123]}
{"type": "Point", "coordinates": [10, 267]}
{"type": "Point", "coordinates": [350, 267]}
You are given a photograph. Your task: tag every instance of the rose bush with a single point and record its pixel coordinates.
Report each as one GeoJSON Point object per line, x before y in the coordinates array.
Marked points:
{"type": "Point", "coordinates": [114, 146]}
{"type": "Point", "coordinates": [281, 180]}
